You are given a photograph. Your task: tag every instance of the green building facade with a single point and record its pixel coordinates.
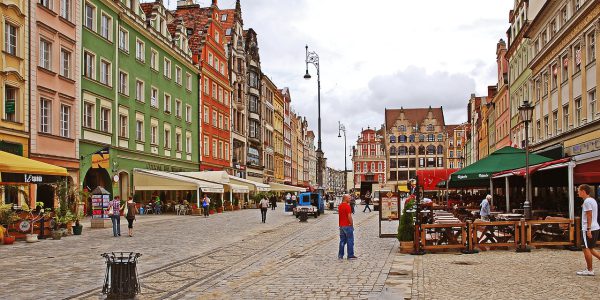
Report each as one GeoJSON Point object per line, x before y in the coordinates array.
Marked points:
{"type": "Point", "coordinates": [139, 94]}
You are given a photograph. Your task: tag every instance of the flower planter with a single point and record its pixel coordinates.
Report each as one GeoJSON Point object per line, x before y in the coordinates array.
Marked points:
{"type": "Point", "coordinates": [211, 212]}
{"type": "Point", "coordinates": [57, 234]}
{"type": "Point", "coordinates": [31, 238]}
{"type": "Point", "coordinates": [406, 247]}
{"type": "Point", "coordinates": [219, 209]}
{"type": "Point", "coordinates": [77, 229]}
{"type": "Point", "coordinates": [8, 240]}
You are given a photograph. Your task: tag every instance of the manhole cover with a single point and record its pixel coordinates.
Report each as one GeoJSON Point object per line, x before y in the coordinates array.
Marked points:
{"type": "Point", "coordinates": [465, 263]}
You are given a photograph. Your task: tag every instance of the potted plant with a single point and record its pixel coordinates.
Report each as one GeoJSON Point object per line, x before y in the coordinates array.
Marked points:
{"type": "Point", "coordinates": [406, 228]}
{"type": "Point", "coordinates": [236, 204]}
{"type": "Point", "coordinates": [78, 228]}
{"type": "Point", "coordinates": [211, 208]}
{"type": "Point", "coordinates": [7, 218]}
{"type": "Point", "coordinates": [33, 217]}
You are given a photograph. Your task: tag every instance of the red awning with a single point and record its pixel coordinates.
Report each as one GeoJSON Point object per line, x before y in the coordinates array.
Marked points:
{"type": "Point", "coordinates": [587, 172]}
{"type": "Point", "coordinates": [429, 179]}
{"type": "Point", "coordinates": [532, 169]}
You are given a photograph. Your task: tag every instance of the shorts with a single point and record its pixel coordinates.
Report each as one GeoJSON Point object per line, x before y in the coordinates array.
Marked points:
{"type": "Point", "coordinates": [589, 243]}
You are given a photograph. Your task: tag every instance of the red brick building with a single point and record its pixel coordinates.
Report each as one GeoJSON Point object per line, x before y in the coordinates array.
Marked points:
{"type": "Point", "coordinates": [368, 158]}
{"type": "Point", "coordinates": [208, 42]}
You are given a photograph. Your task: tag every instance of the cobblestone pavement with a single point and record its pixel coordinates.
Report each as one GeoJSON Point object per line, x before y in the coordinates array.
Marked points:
{"type": "Point", "coordinates": [230, 255]}
{"type": "Point", "coordinates": [540, 274]}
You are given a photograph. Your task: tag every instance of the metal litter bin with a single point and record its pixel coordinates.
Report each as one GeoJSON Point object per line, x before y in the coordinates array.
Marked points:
{"type": "Point", "coordinates": [121, 279]}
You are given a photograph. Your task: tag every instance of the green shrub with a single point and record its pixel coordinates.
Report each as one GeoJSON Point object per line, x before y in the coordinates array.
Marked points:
{"type": "Point", "coordinates": [406, 228]}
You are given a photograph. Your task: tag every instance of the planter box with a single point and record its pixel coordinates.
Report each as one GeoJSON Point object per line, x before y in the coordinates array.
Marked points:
{"type": "Point", "coordinates": [196, 211]}
{"type": "Point", "coordinates": [406, 247]}
{"type": "Point", "coordinates": [101, 223]}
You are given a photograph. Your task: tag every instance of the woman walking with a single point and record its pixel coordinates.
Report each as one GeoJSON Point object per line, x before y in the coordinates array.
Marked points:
{"type": "Point", "coordinates": [131, 212]}
{"type": "Point", "coordinates": [114, 211]}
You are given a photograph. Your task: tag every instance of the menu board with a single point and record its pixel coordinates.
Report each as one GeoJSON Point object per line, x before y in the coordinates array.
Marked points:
{"type": "Point", "coordinates": [100, 206]}
{"type": "Point", "coordinates": [389, 206]}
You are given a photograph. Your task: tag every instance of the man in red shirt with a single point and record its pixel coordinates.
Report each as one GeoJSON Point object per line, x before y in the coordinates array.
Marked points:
{"type": "Point", "coordinates": [346, 228]}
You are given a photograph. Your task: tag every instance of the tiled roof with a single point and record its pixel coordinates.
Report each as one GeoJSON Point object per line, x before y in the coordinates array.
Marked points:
{"type": "Point", "coordinates": [147, 8]}
{"type": "Point", "coordinates": [194, 17]}
{"type": "Point", "coordinates": [451, 128]}
{"type": "Point", "coordinates": [414, 115]}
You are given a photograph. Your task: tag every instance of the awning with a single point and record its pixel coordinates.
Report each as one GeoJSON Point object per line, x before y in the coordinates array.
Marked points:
{"type": "Point", "coordinates": [152, 180]}
{"type": "Point", "coordinates": [429, 179]}
{"type": "Point", "coordinates": [278, 187]}
{"type": "Point", "coordinates": [252, 185]}
{"type": "Point", "coordinates": [218, 177]}
{"type": "Point", "coordinates": [558, 163]}
{"type": "Point", "coordinates": [10, 163]}
{"type": "Point", "coordinates": [479, 173]}
{"type": "Point", "coordinates": [588, 172]}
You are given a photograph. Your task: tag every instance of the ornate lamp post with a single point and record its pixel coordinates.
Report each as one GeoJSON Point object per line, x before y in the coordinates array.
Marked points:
{"type": "Point", "coordinates": [341, 128]}
{"type": "Point", "coordinates": [313, 58]}
{"type": "Point", "coordinates": [526, 114]}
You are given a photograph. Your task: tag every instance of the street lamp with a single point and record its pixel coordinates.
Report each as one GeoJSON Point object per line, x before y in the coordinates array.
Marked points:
{"type": "Point", "coordinates": [526, 114]}
{"type": "Point", "coordinates": [341, 128]}
{"type": "Point", "coordinates": [313, 58]}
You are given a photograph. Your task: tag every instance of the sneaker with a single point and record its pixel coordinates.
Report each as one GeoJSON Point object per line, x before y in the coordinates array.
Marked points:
{"type": "Point", "coordinates": [354, 257]}
{"type": "Point", "coordinates": [586, 273]}
{"type": "Point", "coordinates": [340, 257]}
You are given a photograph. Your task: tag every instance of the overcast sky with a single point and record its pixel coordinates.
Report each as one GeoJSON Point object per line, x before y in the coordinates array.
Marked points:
{"type": "Point", "coordinates": [376, 54]}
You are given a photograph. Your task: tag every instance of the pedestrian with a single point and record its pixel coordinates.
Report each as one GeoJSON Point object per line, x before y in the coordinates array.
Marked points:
{"type": "Point", "coordinates": [205, 205]}
{"type": "Point", "coordinates": [130, 216]}
{"type": "Point", "coordinates": [114, 211]}
{"type": "Point", "coordinates": [157, 205]}
{"type": "Point", "coordinates": [589, 228]}
{"type": "Point", "coordinates": [346, 228]}
{"type": "Point", "coordinates": [273, 202]}
{"type": "Point", "coordinates": [352, 203]}
{"type": "Point", "coordinates": [485, 208]}
{"type": "Point", "coordinates": [264, 205]}
{"type": "Point", "coordinates": [367, 201]}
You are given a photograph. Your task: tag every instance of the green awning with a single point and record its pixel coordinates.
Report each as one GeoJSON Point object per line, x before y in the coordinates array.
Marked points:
{"type": "Point", "coordinates": [479, 173]}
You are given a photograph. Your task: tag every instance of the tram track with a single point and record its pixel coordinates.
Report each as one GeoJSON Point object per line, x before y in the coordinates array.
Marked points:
{"type": "Point", "coordinates": [243, 246]}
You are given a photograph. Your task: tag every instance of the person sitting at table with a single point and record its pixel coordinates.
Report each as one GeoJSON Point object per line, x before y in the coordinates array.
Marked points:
{"type": "Point", "coordinates": [485, 208]}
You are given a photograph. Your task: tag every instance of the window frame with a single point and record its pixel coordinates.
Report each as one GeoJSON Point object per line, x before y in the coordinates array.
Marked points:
{"type": "Point", "coordinates": [45, 118]}
{"type": "Point", "coordinates": [108, 29]}
{"type": "Point", "coordinates": [11, 41]}
{"type": "Point", "coordinates": [65, 125]}
{"type": "Point", "coordinates": [87, 18]}
{"type": "Point", "coordinates": [64, 53]}
{"type": "Point", "coordinates": [45, 54]}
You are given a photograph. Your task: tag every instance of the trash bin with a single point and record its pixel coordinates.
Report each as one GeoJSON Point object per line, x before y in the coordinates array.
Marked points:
{"type": "Point", "coordinates": [121, 279]}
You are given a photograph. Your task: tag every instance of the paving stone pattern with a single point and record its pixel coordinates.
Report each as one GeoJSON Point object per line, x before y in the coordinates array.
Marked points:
{"type": "Point", "coordinates": [230, 255]}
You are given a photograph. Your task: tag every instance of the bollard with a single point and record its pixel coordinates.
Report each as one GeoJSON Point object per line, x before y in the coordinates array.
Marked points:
{"type": "Point", "coordinates": [121, 279]}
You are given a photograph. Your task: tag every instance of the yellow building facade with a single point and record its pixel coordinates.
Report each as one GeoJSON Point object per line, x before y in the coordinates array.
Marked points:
{"type": "Point", "coordinates": [278, 136]}
{"type": "Point", "coordinates": [14, 111]}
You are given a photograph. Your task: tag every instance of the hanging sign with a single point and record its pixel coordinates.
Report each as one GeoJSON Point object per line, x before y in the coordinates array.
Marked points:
{"type": "Point", "coordinates": [9, 106]}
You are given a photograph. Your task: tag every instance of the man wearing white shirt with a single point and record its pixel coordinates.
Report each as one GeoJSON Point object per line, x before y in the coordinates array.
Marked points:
{"type": "Point", "coordinates": [589, 228]}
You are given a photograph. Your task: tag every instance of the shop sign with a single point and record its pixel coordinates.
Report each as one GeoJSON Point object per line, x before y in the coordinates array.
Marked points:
{"type": "Point", "coordinates": [9, 106]}
{"type": "Point", "coordinates": [33, 178]}
{"type": "Point", "coordinates": [585, 147]}
{"type": "Point", "coordinates": [101, 159]}
{"type": "Point", "coordinates": [389, 206]}
{"type": "Point", "coordinates": [30, 178]}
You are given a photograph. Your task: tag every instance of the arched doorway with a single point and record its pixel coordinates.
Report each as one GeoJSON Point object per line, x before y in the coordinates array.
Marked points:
{"type": "Point", "coordinates": [97, 177]}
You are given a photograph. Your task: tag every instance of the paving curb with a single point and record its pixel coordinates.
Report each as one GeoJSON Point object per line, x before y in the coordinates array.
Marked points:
{"type": "Point", "coordinates": [398, 284]}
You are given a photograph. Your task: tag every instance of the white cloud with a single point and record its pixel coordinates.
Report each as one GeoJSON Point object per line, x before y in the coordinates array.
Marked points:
{"type": "Point", "coordinates": [376, 54]}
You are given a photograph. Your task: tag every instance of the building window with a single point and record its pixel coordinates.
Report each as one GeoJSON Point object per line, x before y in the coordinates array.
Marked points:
{"type": "Point", "coordinates": [105, 26]}
{"type": "Point", "coordinates": [123, 83]}
{"type": "Point", "coordinates": [546, 127]}
{"type": "Point", "coordinates": [592, 101]}
{"type": "Point", "coordinates": [214, 149]}
{"type": "Point", "coordinates": [210, 59]}
{"type": "Point", "coordinates": [253, 106]}
{"type": "Point", "coordinates": [45, 53]}
{"type": "Point", "coordinates": [154, 134]}
{"type": "Point", "coordinates": [154, 97]}
{"type": "Point", "coordinates": [440, 162]}
{"type": "Point", "coordinates": [154, 59]}
{"type": "Point", "coordinates": [90, 16]}
{"type": "Point", "coordinates": [10, 39]}
{"type": "Point", "coordinates": [214, 118]}
{"type": "Point", "coordinates": [421, 137]}
{"type": "Point", "coordinates": [392, 138]}
{"type": "Point", "coordinates": [214, 91]}
{"type": "Point", "coordinates": [178, 75]}
{"type": "Point", "coordinates": [45, 116]}
{"type": "Point", "coordinates": [123, 126]}
{"type": "Point", "coordinates": [253, 79]}
{"type": "Point", "coordinates": [431, 150]}
{"type": "Point", "coordinates": [206, 84]}
{"type": "Point", "coordinates": [188, 80]}
{"type": "Point", "coordinates": [139, 130]}
{"type": "Point", "coordinates": [577, 116]}
{"type": "Point", "coordinates": [65, 9]}
{"type": "Point", "coordinates": [10, 103]}
{"type": "Point", "coordinates": [65, 115]}
{"type": "Point", "coordinates": [188, 144]}
{"type": "Point", "coordinates": [88, 115]}
{"type": "Point", "coordinates": [104, 119]}
{"type": "Point", "coordinates": [178, 108]}
{"type": "Point", "coordinates": [220, 150]}
{"type": "Point", "coordinates": [206, 115]}
{"type": "Point", "coordinates": [188, 113]}
{"type": "Point", "coordinates": [555, 123]}
{"type": "Point", "coordinates": [564, 75]}
{"type": "Point", "coordinates": [591, 44]}
{"type": "Point", "coordinates": [65, 63]}
{"type": "Point", "coordinates": [554, 81]}
{"type": "Point", "coordinates": [563, 16]}
{"type": "Point", "coordinates": [167, 103]}
{"type": "Point", "coordinates": [206, 149]}
{"type": "Point", "coordinates": [545, 84]}
{"type": "Point", "coordinates": [565, 123]}
{"type": "Point", "coordinates": [168, 138]}
{"type": "Point", "coordinates": [139, 51]}
{"type": "Point", "coordinates": [123, 40]}
{"type": "Point", "coordinates": [89, 65]}
{"type": "Point", "coordinates": [167, 68]}
{"type": "Point", "coordinates": [539, 129]}
{"type": "Point", "coordinates": [46, 3]}
{"type": "Point", "coordinates": [577, 55]}
{"type": "Point", "coordinates": [105, 72]}
{"type": "Point", "coordinates": [139, 90]}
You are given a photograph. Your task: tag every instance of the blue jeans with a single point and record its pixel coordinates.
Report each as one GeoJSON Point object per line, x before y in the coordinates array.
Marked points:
{"type": "Point", "coordinates": [116, 222]}
{"type": "Point", "coordinates": [346, 237]}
